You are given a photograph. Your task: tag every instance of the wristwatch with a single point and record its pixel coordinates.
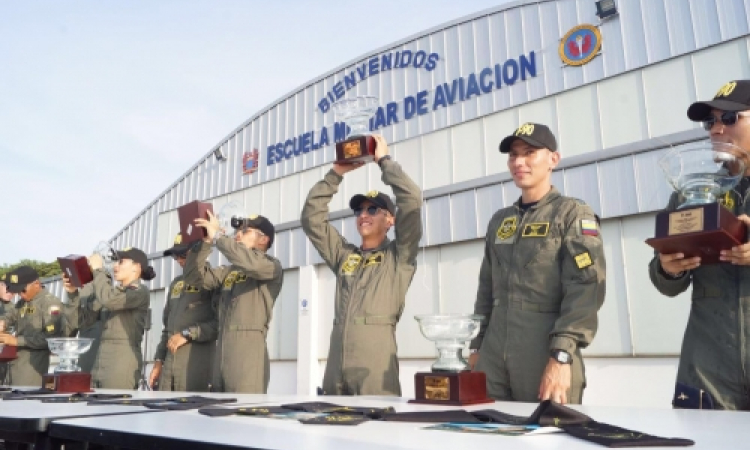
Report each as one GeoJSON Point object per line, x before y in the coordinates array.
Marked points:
{"type": "Point", "coordinates": [186, 334]}
{"type": "Point", "coordinates": [561, 356]}
{"type": "Point", "coordinates": [380, 161]}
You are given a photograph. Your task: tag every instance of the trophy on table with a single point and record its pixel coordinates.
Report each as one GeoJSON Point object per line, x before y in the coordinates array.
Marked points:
{"type": "Point", "coordinates": [68, 377]}
{"type": "Point", "coordinates": [77, 268]}
{"type": "Point", "coordinates": [450, 382]}
{"type": "Point", "coordinates": [355, 113]}
{"type": "Point", "coordinates": [700, 226]}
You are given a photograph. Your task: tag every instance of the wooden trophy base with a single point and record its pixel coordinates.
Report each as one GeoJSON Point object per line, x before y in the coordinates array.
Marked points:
{"type": "Point", "coordinates": [356, 149]}
{"type": "Point", "coordinates": [8, 353]}
{"type": "Point", "coordinates": [701, 231]}
{"type": "Point", "coordinates": [67, 383]}
{"type": "Point", "coordinates": [451, 389]}
{"type": "Point", "coordinates": [77, 268]}
{"type": "Point", "coordinates": [187, 214]}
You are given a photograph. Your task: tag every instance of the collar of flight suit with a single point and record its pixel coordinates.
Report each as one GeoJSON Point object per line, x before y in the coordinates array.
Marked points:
{"type": "Point", "coordinates": [549, 197]}
{"type": "Point", "coordinates": [382, 246]}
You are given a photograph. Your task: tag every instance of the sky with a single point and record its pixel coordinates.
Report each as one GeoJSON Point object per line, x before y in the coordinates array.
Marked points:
{"type": "Point", "coordinates": [104, 104]}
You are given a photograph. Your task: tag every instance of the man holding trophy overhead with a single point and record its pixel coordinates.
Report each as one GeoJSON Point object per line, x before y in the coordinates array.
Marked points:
{"type": "Point", "coordinates": [541, 282]}
{"type": "Point", "coordinates": [714, 369]}
{"type": "Point", "coordinates": [249, 288]}
{"type": "Point", "coordinates": [36, 317]}
{"type": "Point", "coordinates": [371, 278]}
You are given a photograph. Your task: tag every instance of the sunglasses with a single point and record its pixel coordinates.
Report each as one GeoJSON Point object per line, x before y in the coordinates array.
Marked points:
{"type": "Point", "coordinates": [371, 210]}
{"type": "Point", "coordinates": [727, 118]}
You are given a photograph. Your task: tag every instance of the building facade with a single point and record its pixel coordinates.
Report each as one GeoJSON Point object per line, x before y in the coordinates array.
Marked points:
{"type": "Point", "coordinates": [615, 93]}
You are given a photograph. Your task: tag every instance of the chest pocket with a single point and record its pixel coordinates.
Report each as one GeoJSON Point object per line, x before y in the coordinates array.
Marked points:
{"type": "Point", "coordinates": [539, 244]}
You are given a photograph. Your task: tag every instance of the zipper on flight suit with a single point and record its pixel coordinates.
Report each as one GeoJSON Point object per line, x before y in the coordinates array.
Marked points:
{"type": "Point", "coordinates": [347, 311]}
{"type": "Point", "coordinates": [519, 229]}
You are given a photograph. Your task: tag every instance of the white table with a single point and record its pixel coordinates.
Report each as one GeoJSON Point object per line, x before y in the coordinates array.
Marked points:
{"type": "Point", "coordinates": [187, 430]}
{"type": "Point", "coordinates": [27, 421]}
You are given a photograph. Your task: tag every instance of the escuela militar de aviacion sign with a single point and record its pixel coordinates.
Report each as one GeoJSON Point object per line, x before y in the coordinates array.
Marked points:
{"type": "Point", "coordinates": [457, 90]}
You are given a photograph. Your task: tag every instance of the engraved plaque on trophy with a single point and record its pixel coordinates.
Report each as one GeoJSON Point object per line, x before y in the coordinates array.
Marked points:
{"type": "Point", "coordinates": [77, 268]}
{"type": "Point", "coordinates": [68, 377]}
{"type": "Point", "coordinates": [187, 214]}
{"type": "Point", "coordinates": [700, 226]}
{"type": "Point", "coordinates": [450, 382]}
{"type": "Point", "coordinates": [356, 113]}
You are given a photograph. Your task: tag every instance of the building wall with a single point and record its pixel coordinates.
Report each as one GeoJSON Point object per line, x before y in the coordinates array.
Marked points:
{"type": "Point", "coordinates": [613, 117]}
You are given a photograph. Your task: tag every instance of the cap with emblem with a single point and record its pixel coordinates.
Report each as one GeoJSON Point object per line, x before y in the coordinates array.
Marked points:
{"type": "Point", "coordinates": [258, 222]}
{"type": "Point", "coordinates": [378, 199]}
{"type": "Point", "coordinates": [18, 279]}
{"type": "Point", "coordinates": [135, 255]}
{"type": "Point", "coordinates": [178, 248]}
{"type": "Point", "coordinates": [534, 134]}
{"type": "Point", "coordinates": [733, 96]}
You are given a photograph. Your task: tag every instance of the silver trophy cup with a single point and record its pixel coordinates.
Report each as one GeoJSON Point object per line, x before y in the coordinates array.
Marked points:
{"type": "Point", "coordinates": [451, 333]}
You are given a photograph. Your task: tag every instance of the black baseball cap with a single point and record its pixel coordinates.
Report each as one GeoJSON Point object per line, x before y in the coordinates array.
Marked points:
{"type": "Point", "coordinates": [258, 222]}
{"type": "Point", "coordinates": [733, 96]}
{"type": "Point", "coordinates": [134, 254]}
{"type": "Point", "coordinates": [178, 248]}
{"type": "Point", "coordinates": [534, 134]}
{"type": "Point", "coordinates": [378, 199]}
{"type": "Point", "coordinates": [18, 279]}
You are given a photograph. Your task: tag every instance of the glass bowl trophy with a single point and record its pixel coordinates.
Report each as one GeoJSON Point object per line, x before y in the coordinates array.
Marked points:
{"type": "Point", "coordinates": [68, 377]}
{"type": "Point", "coordinates": [450, 382]}
{"type": "Point", "coordinates": [700, 226]}
{"type": "Point", "coordinates": [355, 113]}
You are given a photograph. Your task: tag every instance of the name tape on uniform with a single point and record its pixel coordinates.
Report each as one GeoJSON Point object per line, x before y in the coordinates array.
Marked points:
{"type": "Point", "coordinates": [539, 229]}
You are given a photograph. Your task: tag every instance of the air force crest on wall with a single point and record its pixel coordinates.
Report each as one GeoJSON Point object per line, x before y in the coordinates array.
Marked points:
{"type": "Point", "coordinates": [580, 45]}
{"type": "Point", "coordinates": [249, 162]}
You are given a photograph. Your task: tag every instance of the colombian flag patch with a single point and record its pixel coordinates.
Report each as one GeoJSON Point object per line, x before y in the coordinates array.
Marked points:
{"type": "Point", "coordinates": [589, 227]}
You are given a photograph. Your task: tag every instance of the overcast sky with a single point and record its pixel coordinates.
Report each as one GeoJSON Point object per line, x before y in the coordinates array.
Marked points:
{"type": "Point", "coordinates": [103, 104]}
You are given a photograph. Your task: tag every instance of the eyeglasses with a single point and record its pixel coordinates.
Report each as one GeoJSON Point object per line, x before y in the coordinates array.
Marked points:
{"type": "Point", "coordinates": [179, 255]}
{"type": "Point", "coordinates": [727, 118]}
{"type": "Point", "coordinates": [371, 210]}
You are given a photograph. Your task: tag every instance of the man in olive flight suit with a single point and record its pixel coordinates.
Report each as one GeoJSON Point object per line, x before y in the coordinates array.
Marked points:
{"type": "Point", "coordinates": [714, 369]}
{"type": "Point", "coordinates": [36, 317]}
{"type": "Point", "coordinates": [185, 353]}
{"type": "Point", "coordinates": [541, 282]}
{"type": "Point", "coordinates": [371, 279]}
{"type": "Point", "coordinates": [249, 288]}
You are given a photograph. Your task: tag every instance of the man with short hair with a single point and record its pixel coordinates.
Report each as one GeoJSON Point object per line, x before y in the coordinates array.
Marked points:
{"type": "Point", "coordinates": [541, 282]}
{"type": "Point", "coordinates": [249, 288]}
{"type": "Point", "coordinates": [371, 278]}
{"type": "Point", "coordinates": [36, 317]}
{"type": "Point", "coordinates": [714, 369]}
{"type": "Point", "coordinates": [185, 353]}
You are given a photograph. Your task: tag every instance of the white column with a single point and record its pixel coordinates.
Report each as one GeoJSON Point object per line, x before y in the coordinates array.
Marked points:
{"type": "Point", "coordinates": [308, 378]}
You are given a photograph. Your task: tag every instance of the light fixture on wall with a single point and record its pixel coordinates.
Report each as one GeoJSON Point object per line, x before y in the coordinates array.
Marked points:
{"type": "Point", "coordinates": [606, 9]}
{"type": "Point", "coordinates": [219, 155]}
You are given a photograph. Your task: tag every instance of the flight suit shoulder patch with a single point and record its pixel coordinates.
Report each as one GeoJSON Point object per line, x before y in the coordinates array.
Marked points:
{"type": "Point", "coordinates": [351, 264]}
{"type": "Point", "coordinates": [507, 228]}
{"type": "Point", "coordinates": [589, 227]}
{"type": "Point", "coordinates": [583, 260]}
{"type": "Point", "coordinates": [54, 310]}
{"type": "Point", "coordinates": [177, 289]}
